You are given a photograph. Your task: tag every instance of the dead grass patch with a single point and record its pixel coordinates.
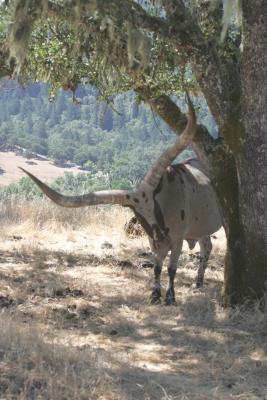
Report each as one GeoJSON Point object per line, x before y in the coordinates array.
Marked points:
{"type": "Point", "coordinates": [31, 368]}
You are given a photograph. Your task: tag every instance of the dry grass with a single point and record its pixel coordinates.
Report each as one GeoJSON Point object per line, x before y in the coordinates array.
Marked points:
{"type": "Point", "coordinates": [31, 368]}
{"type": "Point", "coordinates": [76, 323]}
{"type": "Point", "coordinates": [44, 169]}
{"type": "Point", "coordinates": [40, 213]}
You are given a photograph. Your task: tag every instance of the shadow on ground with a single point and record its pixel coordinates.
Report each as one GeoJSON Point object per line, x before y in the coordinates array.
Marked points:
{"type": "Point", "coordinates": [96, 306]}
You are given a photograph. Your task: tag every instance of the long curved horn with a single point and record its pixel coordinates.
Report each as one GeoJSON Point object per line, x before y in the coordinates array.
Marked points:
{"type": "Point", "coordinates": [90, 199]}
{"type": "Point", "coordinates": [154, 175]}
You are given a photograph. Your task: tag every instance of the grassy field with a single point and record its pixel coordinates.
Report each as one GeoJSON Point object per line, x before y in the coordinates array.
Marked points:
{"type": "Point", "coordinates": [76, 321]}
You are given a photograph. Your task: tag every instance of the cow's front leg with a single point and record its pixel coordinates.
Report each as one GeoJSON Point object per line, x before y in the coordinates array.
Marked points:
{"type": "Point", "coordinates": [172, 267]}
{"type": "Point", "coordinates": [156, 290]}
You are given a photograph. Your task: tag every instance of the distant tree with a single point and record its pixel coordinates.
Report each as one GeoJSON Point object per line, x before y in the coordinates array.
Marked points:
{"type": "Point", "coordinates": [107, 119]}
{"type": "Point", "coordinates": [40, 147]}
{"type": "Point", "coordinates": [39, 128]}
{"type": "Point", "coordinates": [25, 105]}
{"type": "Point", "coordinates": [82, 155]}
{"type": "Point", "coordinates": [14, 107]}
{"type": "Point", "coordinates": [28, 154]}
{"type": "Point", "coordinates": [60, 150]}
{"type": "Point", "coordinates": [28, 124]}
{"type": "Point", "coordinates": [89, 166]}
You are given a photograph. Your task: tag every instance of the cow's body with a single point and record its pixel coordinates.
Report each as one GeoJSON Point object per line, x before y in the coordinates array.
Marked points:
{"type": "Point", "coordinates": [188, 202]}
{"type": "Point", "coordinates": [186, 208]}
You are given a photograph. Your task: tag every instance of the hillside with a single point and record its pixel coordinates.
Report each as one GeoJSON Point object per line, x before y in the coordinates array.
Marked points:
{"type": "Point", "coordinates": [43, 168]}
{"type": "Point", "coordinates": [121, 139]}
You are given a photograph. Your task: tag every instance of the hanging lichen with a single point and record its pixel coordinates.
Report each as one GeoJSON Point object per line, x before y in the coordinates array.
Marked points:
{"type": "Point", "coordinates": [138, 48]}
{"type": "Point", "coordinates": [231, 7]}
{"type": "Point", "coordinates": [25, 14]}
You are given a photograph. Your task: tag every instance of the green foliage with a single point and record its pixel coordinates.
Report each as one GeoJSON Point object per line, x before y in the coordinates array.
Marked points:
{"type": "Point", "coordinates": [84, 41]}
{"type": "Point", "coordinates": [83, 156]}
{"type": "Point", "coordinates": [66, 51]}
{"type": "Point", "coordinates": [28, 154]}
{"type": "Point", "coordinates": [25, 188]}
{"type": "Point", "coordinates": [81, 183]}
{"type": "Point", "coordinates": [69, 184]}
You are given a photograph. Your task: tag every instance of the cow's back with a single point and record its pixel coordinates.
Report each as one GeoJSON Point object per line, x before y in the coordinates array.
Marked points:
{"type": "Point", "coordinates": [188, 202]}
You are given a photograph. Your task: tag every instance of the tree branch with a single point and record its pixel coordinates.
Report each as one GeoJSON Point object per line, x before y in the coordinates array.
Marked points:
{"type": "Point", "coordinates": [203, 143]}
{"type": "Point", "coordinates": [205, 61]}
{"type": "Point", "coordinates": [180, 28]}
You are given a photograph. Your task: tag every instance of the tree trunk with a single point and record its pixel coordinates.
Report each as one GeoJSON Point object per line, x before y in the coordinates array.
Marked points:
{"type": "Point", "coordinates": [246, 262]}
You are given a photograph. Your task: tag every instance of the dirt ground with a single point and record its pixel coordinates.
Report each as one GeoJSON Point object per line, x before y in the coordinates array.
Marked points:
{"type": "Point", "coordinates": [76, 321]}
{"type": "Point", "coordinates": [45, 169]}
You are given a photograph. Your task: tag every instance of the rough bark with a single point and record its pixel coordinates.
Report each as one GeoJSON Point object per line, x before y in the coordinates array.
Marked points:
{"type": "Point", "coordinates": [251, 272]}
{"type": "Point", "coordinates": [253, 158]}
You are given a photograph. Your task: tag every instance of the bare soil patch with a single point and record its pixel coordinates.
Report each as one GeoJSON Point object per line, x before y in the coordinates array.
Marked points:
{"type": "Point", "coordinates": [44, 169]}
{"type": "Point", "coordinates": [76, 322]}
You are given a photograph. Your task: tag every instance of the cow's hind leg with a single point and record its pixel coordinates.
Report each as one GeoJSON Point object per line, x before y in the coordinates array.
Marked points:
{"type": "Point", "coordinates": [205, 250]}
{"type": "Point", "coordinates": [172, 267]}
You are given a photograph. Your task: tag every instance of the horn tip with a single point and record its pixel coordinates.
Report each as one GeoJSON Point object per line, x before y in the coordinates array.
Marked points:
{"type": "Point", "coordinates": [25, 171]}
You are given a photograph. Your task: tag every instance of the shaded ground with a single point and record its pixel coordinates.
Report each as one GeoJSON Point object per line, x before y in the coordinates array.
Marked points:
{"type": "Point", "coordinates": [76, 322]}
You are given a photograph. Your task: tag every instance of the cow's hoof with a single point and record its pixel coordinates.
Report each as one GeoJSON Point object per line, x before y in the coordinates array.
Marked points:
{"type": "Point", "coordinates": [155, 296]}
{"type": "Point", "coordinates": [170, 301]}
{"type": "Point", "coordinates": [170, 298]}
{"type": "Point", "coordinates": [197, 285]}
{"type": "Point", "coordinates": [154, 300]}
